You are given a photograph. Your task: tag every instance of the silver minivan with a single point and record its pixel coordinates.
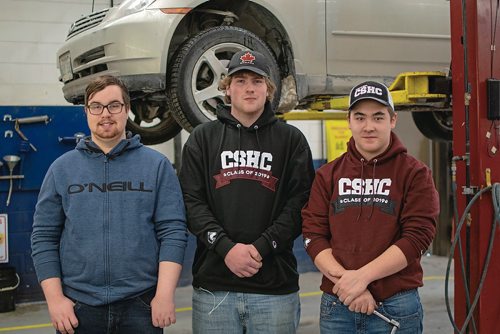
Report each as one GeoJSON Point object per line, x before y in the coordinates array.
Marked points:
{"type": "Point", "coordinates": [172, 53]}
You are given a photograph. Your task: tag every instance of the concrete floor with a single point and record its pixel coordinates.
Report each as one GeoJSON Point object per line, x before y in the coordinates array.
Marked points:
{"type": "Point", "coordinates": [34, 318]}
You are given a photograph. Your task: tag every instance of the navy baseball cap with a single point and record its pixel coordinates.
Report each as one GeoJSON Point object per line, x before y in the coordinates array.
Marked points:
{"type": "Point", "coordinates": [250, 61]}
{"type": "Point", "coordinates": [371, 90]}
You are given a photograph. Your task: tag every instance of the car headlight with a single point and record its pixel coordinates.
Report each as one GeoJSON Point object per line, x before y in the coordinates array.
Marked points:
{"type": "Point", "coordinates": [128, 7]}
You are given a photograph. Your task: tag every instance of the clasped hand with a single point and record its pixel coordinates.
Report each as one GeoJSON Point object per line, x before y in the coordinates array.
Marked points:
{"type": "Point", "coordinates": [243, 260]}
{"type": "Point", "coordinates": [352, 291]}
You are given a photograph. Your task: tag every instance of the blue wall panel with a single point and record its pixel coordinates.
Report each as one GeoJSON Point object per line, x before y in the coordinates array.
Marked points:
{"type": "Point", "coordinates": [64, 122]}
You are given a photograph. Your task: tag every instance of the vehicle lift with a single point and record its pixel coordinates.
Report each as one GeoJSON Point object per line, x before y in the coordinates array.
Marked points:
{"type": "Point", "coordinates": [410, 91]}
{"type": "Point", "coordinates": [476, 138]}
{"type": "Point", "coordinates": [475, 101]}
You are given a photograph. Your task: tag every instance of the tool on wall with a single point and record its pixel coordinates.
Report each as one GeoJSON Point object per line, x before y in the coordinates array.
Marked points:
{"type": "Point", "coordinates": [72, 140]}
{"type": "Point", "coordinates": [11, 161]}
{"type": "Point", "coordinates": [25, 120]}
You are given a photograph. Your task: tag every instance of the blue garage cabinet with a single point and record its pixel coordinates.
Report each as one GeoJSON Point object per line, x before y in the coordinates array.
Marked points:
{"type": "Point", "coordinates": [31, 138]}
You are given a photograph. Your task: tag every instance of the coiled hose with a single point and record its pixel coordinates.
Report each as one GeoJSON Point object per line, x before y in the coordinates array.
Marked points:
{"type": "Point", "coordinates": [495, 195]}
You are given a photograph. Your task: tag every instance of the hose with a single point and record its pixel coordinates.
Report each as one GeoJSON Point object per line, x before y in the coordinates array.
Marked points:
{"type": "Point", "coordinates": [461, 257]}
{"type": "Point", "coordinates": [495, 194]}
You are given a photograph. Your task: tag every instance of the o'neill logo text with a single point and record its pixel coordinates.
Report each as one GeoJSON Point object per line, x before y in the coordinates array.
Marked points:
{"type": "Point", "coordinates": [250, 165]}
{"type": "Point", "coordinates": [123, 186]}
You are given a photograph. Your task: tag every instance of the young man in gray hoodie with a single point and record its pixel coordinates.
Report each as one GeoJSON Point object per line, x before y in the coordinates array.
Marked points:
{"type": "Point", "coordinates": [109, 230]}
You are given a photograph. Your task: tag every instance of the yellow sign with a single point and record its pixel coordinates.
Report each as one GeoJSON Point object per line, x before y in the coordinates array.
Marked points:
{"type": "Point", "coordinates": [337, 136]}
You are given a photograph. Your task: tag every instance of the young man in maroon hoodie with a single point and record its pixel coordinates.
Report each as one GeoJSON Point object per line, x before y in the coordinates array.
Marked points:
{"type": "Point", "coordinates": [371, 215]}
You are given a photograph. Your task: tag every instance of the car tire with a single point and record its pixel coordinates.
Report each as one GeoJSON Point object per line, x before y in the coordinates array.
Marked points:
{"type": "Point", "coordinates": [435, 125]}
{"type": "Point", "coordinates": [155, 124]}
{"type": "Point", "coordinates": [198, 66]}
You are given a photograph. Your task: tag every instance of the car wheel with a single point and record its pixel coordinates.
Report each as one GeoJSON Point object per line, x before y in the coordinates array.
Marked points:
{"type": "Point", "coordinates": [153, 123]}
{"type": "Point", "coordinates": [199, 65]}
{"type": "Point", "coordinates": [435, 125]}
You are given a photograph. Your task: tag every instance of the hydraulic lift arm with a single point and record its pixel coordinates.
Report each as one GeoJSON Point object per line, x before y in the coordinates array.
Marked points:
{"type": "Point", "coordinates": [411, 91]}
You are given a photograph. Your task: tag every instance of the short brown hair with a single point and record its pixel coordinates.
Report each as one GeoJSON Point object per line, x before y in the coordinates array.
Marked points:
{"type": "Point", "coordinates": [226, 82]}
{"type": "Point", "coordinates": [104, 81]}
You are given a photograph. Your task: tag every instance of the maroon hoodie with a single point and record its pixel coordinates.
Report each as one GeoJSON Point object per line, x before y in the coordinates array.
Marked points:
{"type": "Point", "coordinates": [399, 207]}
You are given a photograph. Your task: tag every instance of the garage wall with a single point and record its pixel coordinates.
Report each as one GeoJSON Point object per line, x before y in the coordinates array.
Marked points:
{"type": "Point", "coordinates": [30, 33]}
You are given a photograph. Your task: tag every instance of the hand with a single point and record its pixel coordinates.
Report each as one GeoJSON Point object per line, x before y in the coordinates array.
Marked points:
{"type": "Point", "coordinates": [349, 286]}
{"type": "Point", "coordinates": [63, 315]}
{"type": "Point", "coordinates": [243, 260]}
{"type": "Point", "coordinates": [162, 311]}
{"type": "Point", "coordinates": [334, 275]}
{"type": "Point", "coordinates": [363, 304]}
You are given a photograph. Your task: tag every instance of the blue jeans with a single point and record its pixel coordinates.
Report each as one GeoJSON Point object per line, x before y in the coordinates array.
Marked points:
{"type": "Point", "coordinates": [237, 313]}
{"type": "Point", "coordinates": [129, 316]}
{"type": "Point", "coordinates": [404, 307]}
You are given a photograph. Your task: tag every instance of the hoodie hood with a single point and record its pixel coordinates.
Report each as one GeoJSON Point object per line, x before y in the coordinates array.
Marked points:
{"type": "Point", "coordinates": [227, 119]}
{"type": "Point", "coordinates": [131, 142]}
{"type": "Point", "coordinates": [395, 147]}
{"type": "Point", "coordinates": [266, 118]}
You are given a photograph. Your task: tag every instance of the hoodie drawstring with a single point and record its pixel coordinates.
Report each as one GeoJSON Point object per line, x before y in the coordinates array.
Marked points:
{"type": "Point", "coordinates": [239, 136]}
{"type": "Point", "coordinates": [256, 128]}
{"type": "Point", "coordinates": [363, 186]}
{"type": "Point", "coordinates": [239, 143]}
{"type": "Point", "coordinates": [362, 190]}
{"type": "Point", "coordinates": [373, 189]}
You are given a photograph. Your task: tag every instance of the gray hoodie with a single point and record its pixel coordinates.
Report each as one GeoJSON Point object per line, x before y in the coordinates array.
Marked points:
{"type": "Point", "coordinates": [104, 221]}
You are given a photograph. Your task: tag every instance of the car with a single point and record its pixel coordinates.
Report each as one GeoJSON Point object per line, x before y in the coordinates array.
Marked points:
{"type": "Point", "coordinates": [172, 53]}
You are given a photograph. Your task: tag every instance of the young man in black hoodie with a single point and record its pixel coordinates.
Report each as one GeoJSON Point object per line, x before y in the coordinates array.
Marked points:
{"type": "Point", "coordinates": [245, 178]}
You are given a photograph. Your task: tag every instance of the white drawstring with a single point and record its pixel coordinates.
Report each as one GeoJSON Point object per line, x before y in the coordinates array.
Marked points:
{"type": "Point", "coordinates": [215, 306]}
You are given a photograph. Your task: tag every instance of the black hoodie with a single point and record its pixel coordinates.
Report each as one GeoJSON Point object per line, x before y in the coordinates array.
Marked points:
{"type": "Point", "coordinates": [246, 185]}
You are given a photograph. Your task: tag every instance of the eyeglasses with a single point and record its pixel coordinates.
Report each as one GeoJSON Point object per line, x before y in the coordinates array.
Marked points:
{"type": "Point", "coordinates": [113, 108]}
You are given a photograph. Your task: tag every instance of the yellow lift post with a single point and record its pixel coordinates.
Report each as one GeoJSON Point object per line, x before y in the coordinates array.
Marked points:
{"type": "Point", "coordinates": [411, 91]}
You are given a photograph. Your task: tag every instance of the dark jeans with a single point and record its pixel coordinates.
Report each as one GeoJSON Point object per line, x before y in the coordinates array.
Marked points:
{"type": "Point", "coordinates": [131, 316]}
